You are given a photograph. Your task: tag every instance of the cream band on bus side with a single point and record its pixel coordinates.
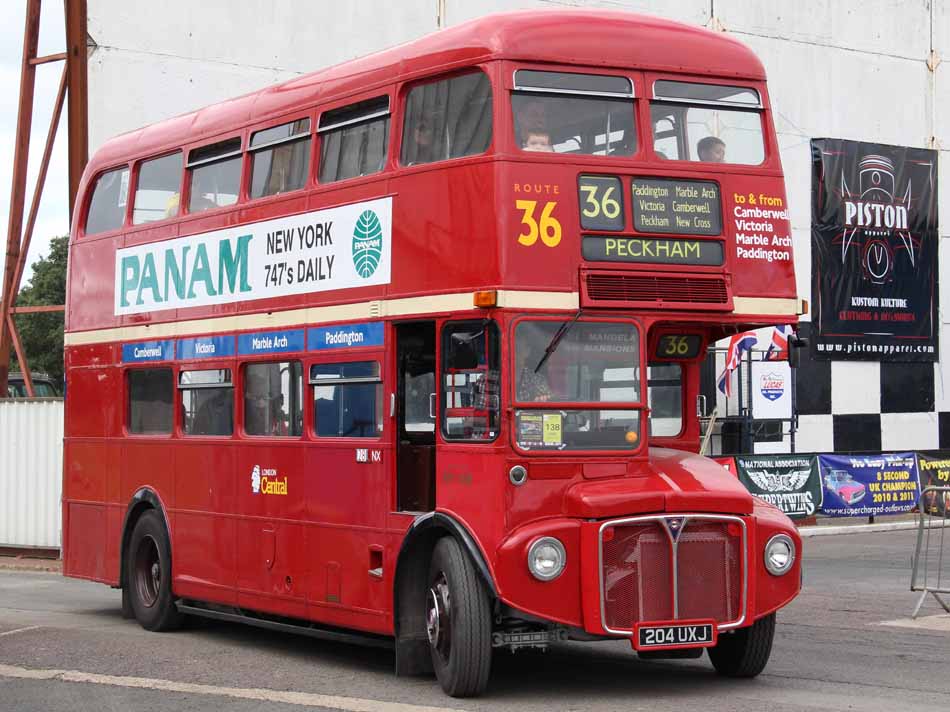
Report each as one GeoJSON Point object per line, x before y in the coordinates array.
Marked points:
{"type": "Point", "coordinates": [338, 248]}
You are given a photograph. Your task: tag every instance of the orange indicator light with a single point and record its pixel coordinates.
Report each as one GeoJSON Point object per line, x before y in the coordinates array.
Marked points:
{"type": "Point", "coordinates": [486, 299]}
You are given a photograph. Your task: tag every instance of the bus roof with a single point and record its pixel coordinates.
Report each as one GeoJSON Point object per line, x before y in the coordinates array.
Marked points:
{"type": "Point", "coordinates": [581, 37]}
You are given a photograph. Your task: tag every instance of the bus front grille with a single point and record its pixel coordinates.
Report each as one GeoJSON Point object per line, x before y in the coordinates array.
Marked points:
{"type": "Point", "coordinates": [665, 568]}
{"type": "Point", "coordinates": [656, 290]}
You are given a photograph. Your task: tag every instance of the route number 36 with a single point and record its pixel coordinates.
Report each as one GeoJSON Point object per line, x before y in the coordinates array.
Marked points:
{"type": "Point", "coordinates": [547, 227]}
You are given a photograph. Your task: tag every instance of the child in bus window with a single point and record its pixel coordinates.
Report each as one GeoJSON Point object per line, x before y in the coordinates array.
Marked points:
{"type": "Point", "coordinates": [537, 141]}
{"type": "Point", "coordinates": [711, 150]}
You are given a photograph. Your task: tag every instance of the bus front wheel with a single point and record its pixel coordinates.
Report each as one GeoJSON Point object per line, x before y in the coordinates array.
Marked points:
{"type": "Point", "coordinates": [148, 575]}
{"type": "Point", "coordinates": [458, 621]}
{"type": "Point", "coordinates": [745, 652]}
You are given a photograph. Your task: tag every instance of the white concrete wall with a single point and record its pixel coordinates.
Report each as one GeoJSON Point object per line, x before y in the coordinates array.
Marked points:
{"type": "Point", "coordinates": [31, 472]}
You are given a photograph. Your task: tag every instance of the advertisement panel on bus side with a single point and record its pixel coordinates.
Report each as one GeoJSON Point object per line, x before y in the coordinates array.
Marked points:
{"type": "Point", "coordinates": [338, 248]}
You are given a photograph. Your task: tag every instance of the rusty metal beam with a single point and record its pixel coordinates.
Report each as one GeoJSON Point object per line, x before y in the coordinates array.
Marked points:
{"type": "Point", "coordinates": [21, 358]}
{"type": "Point", "coordinates": [76, 64]}
{"type": "Point", "coordinates": [38, 309]}
{"type": "Point", "coordinates": [40, 182]}
{"type": "Point", "coordinates": [59, 57]}
{"type": "Point", "coordinates": [31, 34]}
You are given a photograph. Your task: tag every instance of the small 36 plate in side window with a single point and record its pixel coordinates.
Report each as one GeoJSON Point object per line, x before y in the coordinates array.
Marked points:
{"type": "Point", "coordinates": [669, 635]}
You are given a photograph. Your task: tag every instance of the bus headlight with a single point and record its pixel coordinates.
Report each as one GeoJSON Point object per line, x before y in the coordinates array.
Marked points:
{"type": "Point", "coordinates": [779, 554]}
{"type": "Point", "coordinates": [546, 558]}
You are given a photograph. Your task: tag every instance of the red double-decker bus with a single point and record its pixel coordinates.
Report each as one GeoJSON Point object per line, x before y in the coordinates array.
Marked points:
{"type": "Point", "coordinates": [409, 349]}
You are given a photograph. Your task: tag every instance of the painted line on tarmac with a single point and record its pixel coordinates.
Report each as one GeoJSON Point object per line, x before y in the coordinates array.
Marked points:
{"type": "Point", "coordinates": [301, 699]}
{"type": "Point", "coordinates": [20, 630]}
{"type": "Point", "coordinates": [857, 529]}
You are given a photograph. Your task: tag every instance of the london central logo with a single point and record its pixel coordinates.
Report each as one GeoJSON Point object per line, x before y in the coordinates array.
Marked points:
{"type": "Point", "coordinates": [367, 243]}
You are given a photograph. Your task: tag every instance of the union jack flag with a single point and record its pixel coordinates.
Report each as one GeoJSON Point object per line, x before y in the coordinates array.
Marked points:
{"type": "Point", "coordinates": [778, 349]}
{"type": "Point", "coordinates": [737, 345]}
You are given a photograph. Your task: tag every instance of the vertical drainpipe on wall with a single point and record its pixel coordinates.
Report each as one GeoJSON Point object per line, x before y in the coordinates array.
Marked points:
{"type": "Point", "coordinates": [440, 14]}
{"type": "Point", "coordinates": [933, 61]}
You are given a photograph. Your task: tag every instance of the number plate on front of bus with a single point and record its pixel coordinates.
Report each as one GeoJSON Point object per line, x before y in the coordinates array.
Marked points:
{"type": "Point", "coordinates": [667, 636]}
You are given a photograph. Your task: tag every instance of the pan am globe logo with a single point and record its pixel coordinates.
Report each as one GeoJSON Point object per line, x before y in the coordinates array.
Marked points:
{"type": "Point", "coordinates": [367, 243]}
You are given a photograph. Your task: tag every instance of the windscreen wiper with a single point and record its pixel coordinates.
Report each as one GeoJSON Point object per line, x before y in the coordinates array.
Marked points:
{"type": "Point", "coordinates": [556, 339]}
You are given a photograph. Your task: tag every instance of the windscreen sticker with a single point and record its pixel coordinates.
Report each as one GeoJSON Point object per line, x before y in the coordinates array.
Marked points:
{"type": "Point", "coordinates": [552, 429]}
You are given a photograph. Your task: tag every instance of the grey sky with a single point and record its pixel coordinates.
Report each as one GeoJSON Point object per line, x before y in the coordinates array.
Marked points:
{"type": "Point", "coordinates": [53, 218]}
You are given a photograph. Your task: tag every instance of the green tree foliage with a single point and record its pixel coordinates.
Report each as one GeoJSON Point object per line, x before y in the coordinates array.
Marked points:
{"type": "Point", "coordinates": [42, 334]}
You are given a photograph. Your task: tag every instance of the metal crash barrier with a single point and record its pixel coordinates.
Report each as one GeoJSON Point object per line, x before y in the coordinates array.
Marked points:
{"type": "Point", "coordinates": [931, 571]}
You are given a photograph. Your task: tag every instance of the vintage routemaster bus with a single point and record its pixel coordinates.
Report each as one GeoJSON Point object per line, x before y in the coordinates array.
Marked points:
{"type": "Point", "coordinates": [409, 349]}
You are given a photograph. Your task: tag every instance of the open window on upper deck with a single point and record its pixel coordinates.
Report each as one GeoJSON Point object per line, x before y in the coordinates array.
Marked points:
{"type": "Point", "coordinates": [446, 119]}
{"type": "Point", "coordinates": [280, 158]}
{"type": "Point", "coordinates": [215, 174]}
{"type": "Point", "coordinates": [158, 189]}
{"type": "Point", "coordinates": [711, 123]}
{"type": "Point", "coordinates": [562, 112]}
{"type": "Point", "coordinates": [109, 198]}
{"type": "Point", "coordinates": [354, 140]}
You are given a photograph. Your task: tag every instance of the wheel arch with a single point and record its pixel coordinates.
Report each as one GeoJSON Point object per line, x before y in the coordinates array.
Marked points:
{"type": "Point", "coordinates": [144, 499]}
{"type": "Point", "coordinates": [412, 565]}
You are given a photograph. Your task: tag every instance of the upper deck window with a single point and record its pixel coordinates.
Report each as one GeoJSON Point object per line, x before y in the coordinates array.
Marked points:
{"type": "Point", "coordinates": [585, 114]}
{"type": "Point", "coordinates": [215, 175]}
{"type": "Point", "coordinates": [107, 207]}
{"type": "Point", "coordinates": [157, 190]}
{"type": "Point", "coordinates": [354, 140]}
{"type": "Point", "coordinates": [447, 119]}
{"type": "Point", "coordinates": [280, 158]}
{"type": "Point", "coordinates": [713, 123]}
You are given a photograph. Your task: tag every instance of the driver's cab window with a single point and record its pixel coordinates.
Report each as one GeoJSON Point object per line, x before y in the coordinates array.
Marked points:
{"type": "Point", "coordinates": [665, 398]}
{"type": "Point", "coordinates": [583, 114]}
{"type": "Point", "coordinates": [470, 381]}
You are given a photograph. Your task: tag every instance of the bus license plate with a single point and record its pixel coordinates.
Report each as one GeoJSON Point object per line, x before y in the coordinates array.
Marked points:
{"type": "Point", "coordinates": [667, 636]}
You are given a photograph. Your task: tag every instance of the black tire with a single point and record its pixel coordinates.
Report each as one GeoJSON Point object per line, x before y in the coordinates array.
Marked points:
{"type": "Point", "coordinates": [458, 621]}
{"type": "Point", "coordinates": [744, 653]}
{"type": "Point", "coordinates": [148, 575]}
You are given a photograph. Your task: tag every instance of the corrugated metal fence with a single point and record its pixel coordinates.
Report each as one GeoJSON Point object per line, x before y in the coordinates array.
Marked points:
{"type": "Point", "coordinates": [31, 472]}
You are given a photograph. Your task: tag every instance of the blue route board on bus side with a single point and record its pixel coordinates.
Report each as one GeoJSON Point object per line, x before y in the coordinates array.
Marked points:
{"type": "Point", "coordinates": [148, 351]}
{"type": "Point", "coordinates": [346, 336]}
{"type": "Point", "coordinates": [271, 342]}
{"type": "Point", "coordinates": [205, 347]}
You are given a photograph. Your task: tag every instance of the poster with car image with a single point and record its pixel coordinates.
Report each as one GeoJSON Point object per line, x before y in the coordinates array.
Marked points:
{"type": "Point", "coordinates": [790, 482]}
{"type": "Point", "coordinates": [867, 485]}
{"type": "Point", "coordinates": [934, 473]}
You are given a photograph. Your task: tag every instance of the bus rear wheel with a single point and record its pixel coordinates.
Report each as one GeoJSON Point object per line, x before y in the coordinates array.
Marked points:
{"type": "Point", "coordinates": [458, 621]}
{"type": "Point", "coordinates": [148, 575]}
{"type": "Point", "coordinates": [745, 652]}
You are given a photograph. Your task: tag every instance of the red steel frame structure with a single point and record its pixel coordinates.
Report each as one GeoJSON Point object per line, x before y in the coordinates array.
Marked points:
{"type": "Point", "coordinates": [72, 85]}
{"type": "Point", "coordinates": [182, 517]}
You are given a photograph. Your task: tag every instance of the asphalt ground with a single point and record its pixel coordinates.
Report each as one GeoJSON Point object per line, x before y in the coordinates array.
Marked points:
{"type": "Point", "coordinates": [847, 643]}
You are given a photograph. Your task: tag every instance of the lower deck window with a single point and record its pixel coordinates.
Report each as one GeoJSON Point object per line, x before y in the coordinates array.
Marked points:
{"type": "Point", "coordinates": [150, 401]}
{"type": "Point", "coordinates": [273, 399]}
{"type": "Point", "coordinates": [207, 402]}
{"type": "Point", "coordinates": [347, 399]}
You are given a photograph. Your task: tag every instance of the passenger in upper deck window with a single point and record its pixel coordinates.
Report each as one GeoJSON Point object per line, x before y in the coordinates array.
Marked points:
{"type": "Point", "coordinates": [530, 117]}
{"type": "Point", "coordinates": [711, 150]}
{"type": "Point", "coordinates": [422, 149]}
{"type": "Point", "coordinates": [537, 140]}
